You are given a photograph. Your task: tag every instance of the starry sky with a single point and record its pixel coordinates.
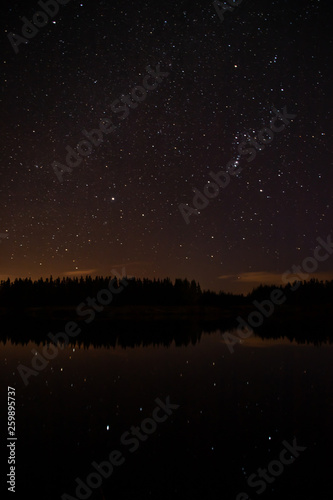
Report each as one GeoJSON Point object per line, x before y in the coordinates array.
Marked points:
{"type": "Point", "coordinates": [120, 206]}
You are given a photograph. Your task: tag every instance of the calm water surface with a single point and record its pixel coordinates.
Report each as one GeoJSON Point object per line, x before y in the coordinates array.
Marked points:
{"type": "Point", "coordinates": [235, 410]}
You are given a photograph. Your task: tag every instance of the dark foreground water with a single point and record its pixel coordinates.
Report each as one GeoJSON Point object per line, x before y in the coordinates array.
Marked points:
{"type": "Point", "coordinates": [236, 413]}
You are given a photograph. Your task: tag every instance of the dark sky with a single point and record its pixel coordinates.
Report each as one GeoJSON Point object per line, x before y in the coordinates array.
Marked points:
{"type": "Point", "coordinates": [120, 206]}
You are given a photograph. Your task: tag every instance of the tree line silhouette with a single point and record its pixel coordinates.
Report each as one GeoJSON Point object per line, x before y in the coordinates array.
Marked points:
{"type": "Point", "coordinates": [70, 291]}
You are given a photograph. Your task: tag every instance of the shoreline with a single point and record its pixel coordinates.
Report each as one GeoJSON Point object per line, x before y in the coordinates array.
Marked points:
{"type": "Point", "coordinates": [149, 313]}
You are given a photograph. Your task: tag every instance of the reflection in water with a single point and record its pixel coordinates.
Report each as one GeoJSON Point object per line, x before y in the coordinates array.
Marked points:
{"type": "Point", "coordinates": [235, 411]}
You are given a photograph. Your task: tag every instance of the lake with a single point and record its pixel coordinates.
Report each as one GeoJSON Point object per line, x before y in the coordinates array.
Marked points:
{"type": "Point", "coordinates": [177, 421]}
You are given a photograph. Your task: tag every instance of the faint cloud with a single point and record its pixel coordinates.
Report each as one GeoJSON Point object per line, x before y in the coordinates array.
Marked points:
{"type": "Point", "coordinates": [270, 278]}
{"type": "Point", "coordinates": [254, 277]}
{"type": "Point", "coordinates": [83, 272]}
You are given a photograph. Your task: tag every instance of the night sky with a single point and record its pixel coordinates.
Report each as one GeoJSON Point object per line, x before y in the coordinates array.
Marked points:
{"type": "Point", "coordinates": [120, 207]}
